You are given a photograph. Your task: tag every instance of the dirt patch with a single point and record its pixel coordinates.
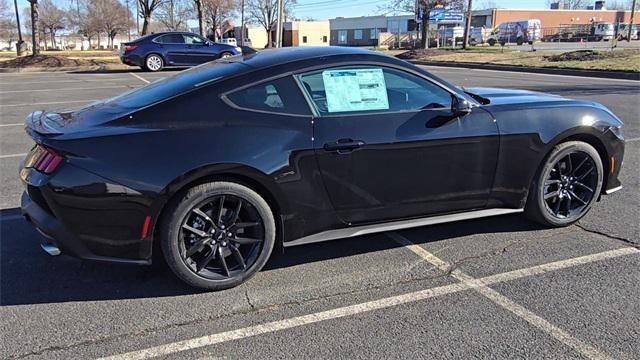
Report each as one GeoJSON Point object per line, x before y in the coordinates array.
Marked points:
{"type": "Point", "coordinates": [580, 55]}
{"type": "Point", "coordinates": [48, 61]}
{"type": "Point", "coordinates": [423, 54]}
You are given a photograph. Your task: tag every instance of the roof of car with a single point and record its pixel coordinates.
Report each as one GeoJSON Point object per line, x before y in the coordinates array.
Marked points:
{"type": "Point", "coordinates": [270, 57]}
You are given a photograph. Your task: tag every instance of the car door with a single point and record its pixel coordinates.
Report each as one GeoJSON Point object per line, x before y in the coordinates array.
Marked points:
{"type": "Point", "coordinates": [173, 48]}
{"type": "Point", "coordinates": [389, 146]}
{"type": "Point", "coordinates": [198, 50]}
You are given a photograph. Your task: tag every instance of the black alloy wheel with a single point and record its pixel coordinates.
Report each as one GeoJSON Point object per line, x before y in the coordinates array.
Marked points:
{"type": "Point", "coordinates": [221, 234]}
{"type": "Point", "coordinates": [567, 185]}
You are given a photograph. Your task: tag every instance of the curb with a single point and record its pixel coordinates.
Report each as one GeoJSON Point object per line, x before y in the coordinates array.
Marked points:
{"type": "Point", "coordinates": [624, 75]}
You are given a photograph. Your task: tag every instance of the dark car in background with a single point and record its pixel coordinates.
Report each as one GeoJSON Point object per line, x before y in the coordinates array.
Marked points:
{"type": "Point", "coordinates": [220, 164]}
{"type": "Point", "coordinates": [154, 52]}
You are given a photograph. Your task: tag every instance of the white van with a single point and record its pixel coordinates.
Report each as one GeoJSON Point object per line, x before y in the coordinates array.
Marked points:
{"type": "Point", "coordinates": [520, 32]}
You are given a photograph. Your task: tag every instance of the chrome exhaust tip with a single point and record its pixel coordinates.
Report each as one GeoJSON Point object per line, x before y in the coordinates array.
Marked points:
{"type": "Point", "coordinates": [51, 249]}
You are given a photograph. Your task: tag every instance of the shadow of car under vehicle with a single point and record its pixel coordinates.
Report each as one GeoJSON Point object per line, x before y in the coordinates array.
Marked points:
{"type": "Point", "coordinates": [29, 276]}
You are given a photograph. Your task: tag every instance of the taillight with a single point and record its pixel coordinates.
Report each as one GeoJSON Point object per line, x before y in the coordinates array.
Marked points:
{"type": "Point", "coordinates": [130, 47]}
{"type": "Point", "coordinates": [47, 161]}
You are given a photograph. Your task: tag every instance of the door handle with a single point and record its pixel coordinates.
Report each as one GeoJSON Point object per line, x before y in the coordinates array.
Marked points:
{"type": "Point", "coordinates": [344, 145]}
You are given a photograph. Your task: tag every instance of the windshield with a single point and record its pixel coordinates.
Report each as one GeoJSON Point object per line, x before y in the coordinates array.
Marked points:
{"type": "Point", "coordinates": [177, 84]}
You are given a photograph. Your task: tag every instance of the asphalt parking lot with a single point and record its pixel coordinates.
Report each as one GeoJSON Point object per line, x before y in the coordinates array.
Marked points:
{"type": "Point", "coordinates": [492, 288]}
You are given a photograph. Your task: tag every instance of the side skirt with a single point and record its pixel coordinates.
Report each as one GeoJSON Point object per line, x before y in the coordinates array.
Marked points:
{"type": "Point", "coordinates": [397, 225]}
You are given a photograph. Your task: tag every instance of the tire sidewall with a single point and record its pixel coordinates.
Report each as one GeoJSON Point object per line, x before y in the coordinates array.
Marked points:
{"type": "Point", "coordinates": [558, 153]}
{"type": "Point", "coordinates": [170, 233]}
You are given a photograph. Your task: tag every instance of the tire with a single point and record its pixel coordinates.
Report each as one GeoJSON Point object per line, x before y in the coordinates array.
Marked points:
{"type": "Point", "coordinates": [225, 54]}
{"type": "Point", "coordinates": [492, 42]}
{"type": "Point", "coordinates": [153, 62]}
{"type": "Point", "coordinates": [229, 235]}
{"type": "Point", "coordinates": [520, 41]}
{"type": "Point", "coordinates": [570, 178]}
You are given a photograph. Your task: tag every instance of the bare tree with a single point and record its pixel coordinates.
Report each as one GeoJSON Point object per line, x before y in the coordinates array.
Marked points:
{"type": "Point", "coordinates": [198, 5]}
{"type": "Point", "coordinates": [87, 20]}
{"type": "Point", "coordinates": [53, 19]}
{"type": "Point", "coordinates": [146, 8]}
{"type": "Point", "coordinates": [265, 13]}
{"type": "Point", "coordinates": [35, 27]}
{"type": "Point", "coordinates": [215, 12]}
{"type": "Point", "coordinates": [426, 6]}
{"type": "Point", "coordinates": [8, 26]}
{"type": "Point", "coordinates": [111, 17]}
{"type": "Point", "coordinates": [174, 14]}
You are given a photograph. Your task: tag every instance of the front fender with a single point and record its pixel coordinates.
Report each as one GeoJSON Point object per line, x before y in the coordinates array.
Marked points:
{"type": "Point", "coordinates": [529, 132]}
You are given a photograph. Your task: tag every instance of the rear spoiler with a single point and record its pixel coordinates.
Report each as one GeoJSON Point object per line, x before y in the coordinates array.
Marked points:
{"type": "Point", "coordinates": [44, 123]}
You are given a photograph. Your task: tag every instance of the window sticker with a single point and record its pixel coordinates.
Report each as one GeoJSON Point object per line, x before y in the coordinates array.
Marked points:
{"type": "Point", "coordinates": [355, 90]}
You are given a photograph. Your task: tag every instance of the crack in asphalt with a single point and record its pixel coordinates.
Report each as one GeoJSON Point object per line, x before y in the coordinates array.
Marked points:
{"type": "Point", "coordinates": [626, 241]}
{"type": "Point", "coordinates": [246, 295]}
{"type": "Point", "coordinates": [252, 308]}
{"type": "Point", "coordinates": [498, 250]}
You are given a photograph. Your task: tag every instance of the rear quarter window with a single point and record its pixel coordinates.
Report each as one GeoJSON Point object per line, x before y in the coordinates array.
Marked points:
{"type": "Point", "coordinates": [281, 96]}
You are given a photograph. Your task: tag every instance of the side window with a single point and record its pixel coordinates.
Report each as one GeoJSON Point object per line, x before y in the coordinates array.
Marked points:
{"type": "Point", "coordinates": [372, 89]}
{"type": "Point", "coordinates": [190, 39]}
{"type": "Point", "coordinates": [280, 96]}
{"type": "Point", "coordinates": [171, 39]}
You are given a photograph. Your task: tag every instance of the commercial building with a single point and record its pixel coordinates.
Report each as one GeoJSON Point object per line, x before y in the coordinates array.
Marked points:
{"type": "Point", "coordinates": [549, 18]}
{"type": "Point", "coordinates": [365, 30]}
{"type": "Point", "coordinates": [306, 33]}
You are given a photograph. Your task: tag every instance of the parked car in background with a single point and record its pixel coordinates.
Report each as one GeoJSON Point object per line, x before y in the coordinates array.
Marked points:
{"type": "Point", "coordinates": [247, 42]}
{"type": "Point", "coordinates": [156, 51]}
{"type": "Point", "coordinates": [479, 35]}
{"type": "Point", "coordinates": [520, 32]}
{"type": "Point", "coordinates": [229, 41]}
{"type": "Point", "coordinates": [622, 31]}
{"type": "Point", "coordinates": [447, 35]}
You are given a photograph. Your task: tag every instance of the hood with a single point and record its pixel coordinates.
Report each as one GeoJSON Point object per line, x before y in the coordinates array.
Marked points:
{"type": "Point", "coordinates": [499, 96]}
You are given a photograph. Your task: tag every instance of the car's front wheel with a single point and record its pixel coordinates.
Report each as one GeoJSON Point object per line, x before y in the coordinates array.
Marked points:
{"type": "Point", "coordinates": [217, 235]}
{"type": "Point", "coordinates": [225, 54]}
{"type": "Point", "coordinates": [566, 186]}
{"type": "Point", "coordinates": [153, 62]}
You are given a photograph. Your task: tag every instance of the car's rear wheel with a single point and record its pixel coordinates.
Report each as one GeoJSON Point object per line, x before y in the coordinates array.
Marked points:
{"type": "Point", "coordinates": [566, 186]}
{"type": "Point", "coordinates": [153, 62]}
{"type": "Point", "coordinates": [218, 235]}
{"type": "Point", "coordinates": [492, 42]}
{"type": "Point", "coordinates": [225, 54]}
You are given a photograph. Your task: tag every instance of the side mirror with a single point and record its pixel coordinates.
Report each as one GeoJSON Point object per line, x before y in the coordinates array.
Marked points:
{"type": "Point", "coordinates": [460, 106]}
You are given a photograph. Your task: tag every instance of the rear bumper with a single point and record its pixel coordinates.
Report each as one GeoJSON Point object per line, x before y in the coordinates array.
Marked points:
{"type": "Point", "coordinates": [56, 236]}
{"type": "Point", "coordinates": [132, 60]}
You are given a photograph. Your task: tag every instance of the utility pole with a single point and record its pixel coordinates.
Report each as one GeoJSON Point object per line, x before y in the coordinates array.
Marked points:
{"type": "Point", "coordinates": [241, 23]}
{"type": "Point", "coordinates": [138, 18]}
{"type": "Point", "coordinates": [280, 23]}
{"type": "Point", "coordinates": [633, 11]}
{"type": "Point", "coordinates": [467, 26]}
{"type": "Point", "coordinates": [20, 44]}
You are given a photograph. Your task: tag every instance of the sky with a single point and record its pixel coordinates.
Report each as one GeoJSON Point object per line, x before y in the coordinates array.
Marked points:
{"type": "Point", "coordinates": [325, 9]}
{"type": "Point", "coordinates": [328, 9]}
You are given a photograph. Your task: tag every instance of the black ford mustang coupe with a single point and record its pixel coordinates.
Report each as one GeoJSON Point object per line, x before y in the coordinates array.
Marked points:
{"type": "Point", "coordinates": [220, 164]}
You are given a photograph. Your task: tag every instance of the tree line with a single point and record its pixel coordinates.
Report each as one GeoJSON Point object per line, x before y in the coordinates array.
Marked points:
{"type": "Point", "coordinates": [94, 20]}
